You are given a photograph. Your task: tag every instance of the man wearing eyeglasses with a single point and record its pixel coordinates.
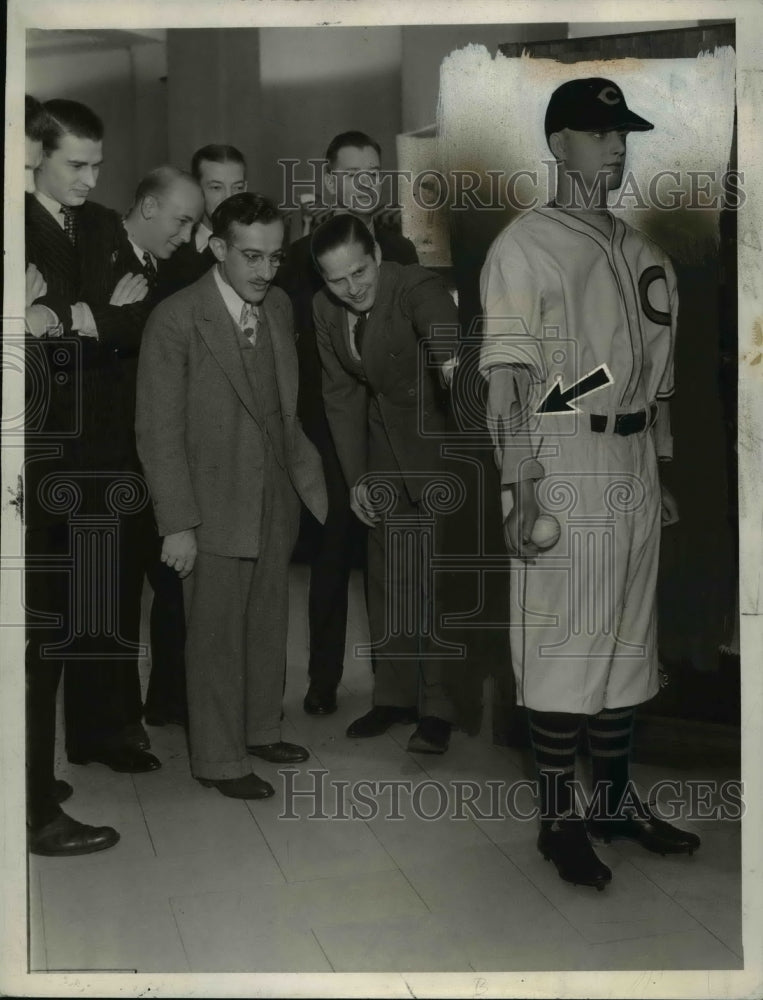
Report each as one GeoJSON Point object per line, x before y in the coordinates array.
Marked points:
{"type": "Point", "coordinates": [227, 463]}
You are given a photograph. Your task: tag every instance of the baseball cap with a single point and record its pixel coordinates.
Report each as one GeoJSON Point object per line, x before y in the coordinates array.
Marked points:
{"type": "Point", "coordinates": [592, 104]}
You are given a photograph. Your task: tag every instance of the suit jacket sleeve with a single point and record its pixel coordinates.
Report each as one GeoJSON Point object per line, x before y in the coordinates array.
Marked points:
{"type": "Point", "coordinates": [160, 419]}
{"type": "Point", "coordinates": [346, 402]}
{"type": "Point", "coordinates": [429, 306]}
{"type": "Point", "coordinates": [119, 327]}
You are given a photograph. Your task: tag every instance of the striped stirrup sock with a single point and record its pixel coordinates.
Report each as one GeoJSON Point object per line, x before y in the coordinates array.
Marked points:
{"type": "Point", "coordinates": [554, 737]}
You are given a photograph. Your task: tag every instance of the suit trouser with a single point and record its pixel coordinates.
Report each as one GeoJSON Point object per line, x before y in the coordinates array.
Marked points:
{"type": "Point", "coordinates": [166, 695]}
{"type": "Point", "coordinates": [330, 571]}
{"type": "Point", "coordinates": [45, 592]}
{"type": "Point", "coordinates": [102, 693]}
{"type": "Point", "coordinates": [237, 624]}
{"type": "Point", "coordinates": [402, 606]}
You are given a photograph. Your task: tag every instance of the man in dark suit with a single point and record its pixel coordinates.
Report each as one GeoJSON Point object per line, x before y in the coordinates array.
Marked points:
{"type": "Point", "coordinates": [220, 171]}
{"type": "Point", "coordinates": [159, 226]}
{"type": "Point", "coordinates": [90, 492]}
{"type": "Point", "coordinates": [51, 831]}
{"type": "Point", "coordinates": [227, 462]}
{"type": "Point", "coordinates": [353, 162]}
{"type": "Point", "coordinates": [387, 414]}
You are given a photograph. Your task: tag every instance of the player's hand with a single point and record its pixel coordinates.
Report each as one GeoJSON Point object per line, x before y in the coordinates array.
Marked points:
{"type": "Point", "coordinates": [179, 551]}
{"type": "Point", "coordinates": [362, 507]}
{"type": "Point", "coordinates": [669, 508]}
{"type": "Point", "coordinates": [518, 525]}
{"type": "Point", "coordinates": [36, 286]}
{"type": "Point", "coordinates": [129, 289]}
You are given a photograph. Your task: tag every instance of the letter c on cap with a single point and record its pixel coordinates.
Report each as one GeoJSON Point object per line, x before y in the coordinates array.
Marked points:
{"type": "Point", "coordinates": [609, 96]}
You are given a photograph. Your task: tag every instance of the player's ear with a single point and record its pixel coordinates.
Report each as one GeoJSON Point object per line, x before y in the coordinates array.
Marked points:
{"type": "Point", "coordinates": [557, 145]}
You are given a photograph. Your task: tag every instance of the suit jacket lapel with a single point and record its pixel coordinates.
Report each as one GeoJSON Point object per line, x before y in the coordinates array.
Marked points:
{"type": "Point", "coordinates": [58, 250]}
{"type": "Point", "coordinates": [218, 332]}
{"type": "Point", "coordinates": [284, 357]}
{"type": "Point", "coordinates": [343, 343]}
{"type": "Point", "coordinates": [377, 328]}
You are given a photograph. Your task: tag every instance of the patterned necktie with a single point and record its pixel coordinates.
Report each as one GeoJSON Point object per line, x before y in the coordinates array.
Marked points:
{"type": "Point", "coordinates": [149, 269]}
{"type": "Point", "coordinates": [70, 223]}
{"type": "Point", "coordinates": [359, 333]}
{"type": "Point", "coordinates": [249, 321]}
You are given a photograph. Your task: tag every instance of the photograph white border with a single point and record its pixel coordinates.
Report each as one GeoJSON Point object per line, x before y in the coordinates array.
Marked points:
{"type": "Point", "coordinates": [106, 14]}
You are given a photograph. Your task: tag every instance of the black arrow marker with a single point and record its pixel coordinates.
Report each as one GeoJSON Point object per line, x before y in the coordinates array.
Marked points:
{"type": "Point", "coordinates": [558, 400]}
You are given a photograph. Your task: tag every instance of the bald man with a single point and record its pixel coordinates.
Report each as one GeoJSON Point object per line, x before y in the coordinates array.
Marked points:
{"type": "Point", "coordinates": [168, 204]}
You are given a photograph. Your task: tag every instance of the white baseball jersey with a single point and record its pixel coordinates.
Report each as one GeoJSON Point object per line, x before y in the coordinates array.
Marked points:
{"type": "Point", "coordinates": [562, 300]}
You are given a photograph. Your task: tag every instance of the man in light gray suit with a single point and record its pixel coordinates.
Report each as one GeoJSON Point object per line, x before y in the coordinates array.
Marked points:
{"type": "Point", "coordinates": [227, 462]}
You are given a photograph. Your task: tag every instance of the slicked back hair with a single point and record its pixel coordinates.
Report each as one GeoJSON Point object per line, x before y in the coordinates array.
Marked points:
{"type": "Point", "coordinates": [158, 181]}
{"type": "Point", "coordinates": [69, 118]}
{"type": "Point", "coordinates": [35, 118]}
{"type": "Point", "coordinates": [358, 140]}
{"type": "Point", "coordinates": [245, 208]}
{"type": "Point", "coordinates": [338, 232]}
{"type": "Point", "coordinates": [215, 153]}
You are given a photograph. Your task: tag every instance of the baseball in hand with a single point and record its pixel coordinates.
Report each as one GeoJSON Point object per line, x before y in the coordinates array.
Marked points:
{"type": "Point", "coordinates": [546, 531]}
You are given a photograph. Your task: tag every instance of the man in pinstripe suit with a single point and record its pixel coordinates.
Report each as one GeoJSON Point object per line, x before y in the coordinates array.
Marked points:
{"type": "Point", "coordinates": [98, 297]}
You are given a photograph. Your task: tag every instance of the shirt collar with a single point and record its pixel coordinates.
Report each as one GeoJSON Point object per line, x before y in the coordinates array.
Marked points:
{"type": "Point", "coordinates": [203, 232]}
{"type": "Point", "coordinates": [233, 301]}
{"type": "Point", "coordinates": [139, 251]}
{"type": "Point", "coordinates": [51, 205]}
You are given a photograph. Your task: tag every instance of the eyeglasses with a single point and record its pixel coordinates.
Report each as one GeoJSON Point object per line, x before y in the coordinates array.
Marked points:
{"type": "Point", "coordinates": [255, 259]}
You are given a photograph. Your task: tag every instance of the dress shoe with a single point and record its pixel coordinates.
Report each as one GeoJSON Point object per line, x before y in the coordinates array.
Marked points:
{"type": "Point", "coordinates": [566, 843]}
{"type": "Point", "coordinates": [379, 719]}
{"type": "Point", "coordinates": [248, 787]}
{"type": "Point", "coordinates": [125, 759]}
{"type": "Point", "coordinates": [431, 736]}
{"type": "Point", "coordinates": [319, 701]}
{"type": "Point", "coordinates": [279, 753]}
{"type": "Point", "coordinates": [62, 790]}
{"type": "Point", "coordinates": [646, 829]}
{"type": "Point", "coordinates": [136, 736]}
{"type": "Point", "coordinates": [65, 837]}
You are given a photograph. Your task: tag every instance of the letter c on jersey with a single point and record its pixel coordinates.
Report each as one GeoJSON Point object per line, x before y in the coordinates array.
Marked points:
{"type": "Point", "coordinates": [647, 279]}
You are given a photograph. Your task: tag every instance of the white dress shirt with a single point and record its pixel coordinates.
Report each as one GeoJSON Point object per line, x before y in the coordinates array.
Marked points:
{"type": "Point", "coordinates": [202, 237]}
{"type": "Point", "coordinates": [233, 301]}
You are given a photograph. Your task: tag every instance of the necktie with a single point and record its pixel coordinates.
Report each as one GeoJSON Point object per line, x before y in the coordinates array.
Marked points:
{"type": "Point", "coordinates": [149, 269]}
{"type": "Point", "coordinates": [249, 321]}
{"type": "Point", "coordinates": [359, 333]}
{"type": "Point", "coordinates": [70, 223]}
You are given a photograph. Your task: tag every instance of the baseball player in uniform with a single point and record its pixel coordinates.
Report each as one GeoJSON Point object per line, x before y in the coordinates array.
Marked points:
{"type": "Point", "coordinates": [580, 317]}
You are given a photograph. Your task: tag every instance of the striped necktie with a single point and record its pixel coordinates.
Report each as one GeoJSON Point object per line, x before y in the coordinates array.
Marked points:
{"type": "Point", "coordinates": [70, 223]}
{"type": "Point", "coordinates": [149, 269]}
{"type": "Point", "coordinates": [249, 322]}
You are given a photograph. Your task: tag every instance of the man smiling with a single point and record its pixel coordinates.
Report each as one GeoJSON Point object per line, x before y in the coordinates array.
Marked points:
{"type": "Point", "coordinates": [387, 416]}
{"type": "Point", "coordinates": [226, 462]}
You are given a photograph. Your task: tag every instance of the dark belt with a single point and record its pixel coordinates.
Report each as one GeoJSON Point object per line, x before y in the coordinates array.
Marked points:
{"type": "Point", "coordinates": [625, 423]}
